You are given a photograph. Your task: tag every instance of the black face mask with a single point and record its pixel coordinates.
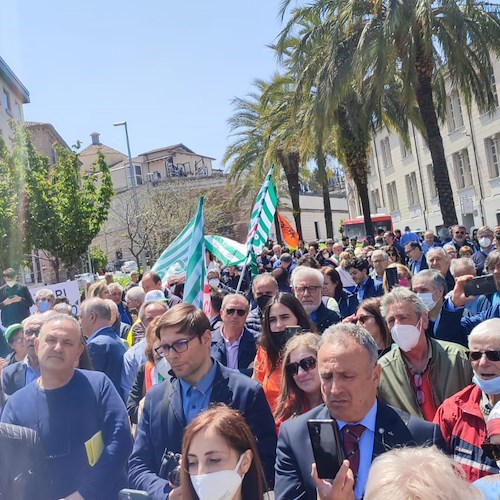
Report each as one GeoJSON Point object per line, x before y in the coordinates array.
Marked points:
{"type": "Point", "coordinates": [262, 301]}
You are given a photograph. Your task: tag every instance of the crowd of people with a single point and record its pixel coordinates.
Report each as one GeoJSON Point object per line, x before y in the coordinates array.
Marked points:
{"type": "Point", "coordinates": [146, 392]}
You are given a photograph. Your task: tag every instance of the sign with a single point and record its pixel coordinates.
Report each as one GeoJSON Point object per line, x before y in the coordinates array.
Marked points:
{"type": "Point", "coordinates": [68, 289]}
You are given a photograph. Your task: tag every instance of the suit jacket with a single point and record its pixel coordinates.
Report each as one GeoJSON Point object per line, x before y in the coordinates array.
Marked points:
{"type": "Point", "coordinates": [423, 265]}
{"type": "Point", "coordinates": [294, 455]}
{"type": "Point", "coordinates": [106, 351]}
{"type": "Point", "coordinates": [246, 350]}
{"type": "Point", "coordinates": [372, 289]}
{"type": "Point", "coordinates": [162, 424]}
{"type": "Point", "coordinates": [14, 377]}
{"type": "Point", "coordinates": [324, 317]}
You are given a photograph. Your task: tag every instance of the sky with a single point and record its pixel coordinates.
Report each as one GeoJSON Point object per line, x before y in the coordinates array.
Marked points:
{"type": "Point", "coordinates": [169, 68]}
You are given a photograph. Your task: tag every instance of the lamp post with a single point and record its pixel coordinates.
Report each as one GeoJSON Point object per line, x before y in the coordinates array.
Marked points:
{"type": "Point", "coordinates": [131, 167]}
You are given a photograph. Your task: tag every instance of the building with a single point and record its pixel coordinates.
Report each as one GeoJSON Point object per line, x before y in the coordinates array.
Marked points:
{"type": "Point", "coordinates": [13, 94]}
{"type": "Point", "coordinates": [44, 138]}
{"type": "Point", "coordinates": [401, 181]}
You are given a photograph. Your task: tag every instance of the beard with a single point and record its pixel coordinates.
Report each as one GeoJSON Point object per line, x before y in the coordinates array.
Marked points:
{"type": "Point", "coordinates": [310, 308]}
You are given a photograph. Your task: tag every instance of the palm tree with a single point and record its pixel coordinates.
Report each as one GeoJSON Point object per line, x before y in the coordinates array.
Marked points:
{"type": "Point", "coordinates": [423, 43]}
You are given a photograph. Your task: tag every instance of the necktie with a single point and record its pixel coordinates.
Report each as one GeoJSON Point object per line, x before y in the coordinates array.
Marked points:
{"type": "Point", "coordinates": [352, 434]}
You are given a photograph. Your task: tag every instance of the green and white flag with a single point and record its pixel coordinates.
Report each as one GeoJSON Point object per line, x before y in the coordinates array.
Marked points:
{"type": "Point", "coordinates": [228, 252]}
{"type": "Point", "coordinates": [262, 216]}
{"type": "Point", "coordinates": [195, 270]}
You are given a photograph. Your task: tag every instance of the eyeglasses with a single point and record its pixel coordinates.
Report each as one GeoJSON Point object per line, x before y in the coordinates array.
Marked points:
{"type": "Point", "coordinates": [459, 232]}
{"type": "Point", "coordinates": [179, 346]}
{"type": "Point", "coordinates": [418, 380]}
{"type": "Point", "coordinates": [304, 289]}
{"type": "Point", "coordinates": [378, 261]}
{"type": "Point", "coordinates": [239, 312]}
{"type": "Point", "coordinates": [307, 364]}
{"type": "Point", "coordinates": [364, 318]}
{"type": "Point", "coordinates": [491, 450]}
{"type": "Point", "coordinates": [32, 331]}
{"type": "Point", "coordinates": [491, 355]}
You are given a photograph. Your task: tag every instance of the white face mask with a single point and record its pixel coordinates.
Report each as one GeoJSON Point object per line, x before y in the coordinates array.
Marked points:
{"type": "Point", "coordinates": [406, 336]}
{"type": "Point", "coordinates": [221, 485]}
{"type": "Point", "coordinates": [484, 242]}
{"type": "Point", "coordinates": [428, 299]}
{"type": "Point", "coordinates": [163, 367]}
{"type": "Point", "coordinates": [214, 283]}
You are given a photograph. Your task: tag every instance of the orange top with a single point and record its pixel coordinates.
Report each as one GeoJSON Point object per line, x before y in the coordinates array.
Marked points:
{"type": "Point", "coordinates": [270, 380]}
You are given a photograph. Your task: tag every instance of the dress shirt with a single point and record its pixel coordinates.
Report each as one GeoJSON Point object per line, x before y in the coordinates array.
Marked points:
{"type": "Point", "coordinates": [365, 448]}
{"type": "Point", "coordinates": [231, 350]}
{"type": "Point", "coordinates": [195, 398]}
{"type": "Point", "coordinates": [31, 372]}
{"type": "Point", "coordinates": [360, 290]}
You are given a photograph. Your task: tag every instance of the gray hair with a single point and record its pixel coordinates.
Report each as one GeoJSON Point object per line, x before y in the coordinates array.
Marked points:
{"type": "Point", "coordinates": [450, 246]}
{"type": "Point", "coordinates": [44, 294]}
{"type": "Point", "coordinates": [144, 305]}
{"type": "Point", "coordinates": [306, 272]}
{"type": "Point", "coordinates": [462, 266]}
{"type": "Point", "coordinates": [264, 277]}
{"type": "Point", "coordinates": [63, 308]}
{"type": "Point", "coordinates": [230, 296]}
{"type": "Point", "coordinates": [115, 286]}
{"type": "Point", "coordinates": [97, 306]}
{"type": "Point", "coordinates": [342, 333]}
{"type": "Point", "coordinates": [484, 229]}
{"type": "Point", "coordinates": [438, 250]}
{"type": "Point", "coordinates": [433, 275]}
{"type": "Point", "coordinates": [485, 329]}
{"type": "Point", "coordinates": [380, 253]}
{"type": "Point", "coordinates": [401, 294]}
{"type": "Point", "coordinates": [59, 317]}
{"type": "Point", "coordinates": [135, 293]}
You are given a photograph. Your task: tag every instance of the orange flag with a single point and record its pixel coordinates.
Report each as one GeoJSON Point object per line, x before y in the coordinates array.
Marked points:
{"type": "Point", "coordinates": [290, 236]}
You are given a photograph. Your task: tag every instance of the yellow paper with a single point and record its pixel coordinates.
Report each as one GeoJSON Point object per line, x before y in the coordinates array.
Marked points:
{"type": "Point", "coordinates": [94, 447]}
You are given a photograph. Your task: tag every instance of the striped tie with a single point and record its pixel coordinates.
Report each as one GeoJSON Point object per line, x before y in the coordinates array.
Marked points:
{"type": "Point", "coordinates": [352, 434]}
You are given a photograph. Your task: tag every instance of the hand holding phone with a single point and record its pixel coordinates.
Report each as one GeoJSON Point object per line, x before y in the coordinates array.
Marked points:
{"type": "Point", "coordinates": [481, 285]}
{"type": "Point", "coordinates": [327, 447]}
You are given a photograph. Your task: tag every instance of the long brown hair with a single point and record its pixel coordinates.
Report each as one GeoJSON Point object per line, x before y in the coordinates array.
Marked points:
{"type": "Point", "coordinates": [233, 428]}
{"type": "Point", "coordinates": [372, 306]}
{"type": "Point", "coordinates": [291, 398]}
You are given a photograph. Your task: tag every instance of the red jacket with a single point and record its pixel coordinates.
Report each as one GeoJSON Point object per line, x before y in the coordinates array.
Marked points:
{"type": "Point", "coordinates": [464, 430]}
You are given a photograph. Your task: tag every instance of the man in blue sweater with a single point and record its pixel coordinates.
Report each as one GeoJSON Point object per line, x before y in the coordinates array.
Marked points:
{"type": "Point", "coordinates": [79, 417]}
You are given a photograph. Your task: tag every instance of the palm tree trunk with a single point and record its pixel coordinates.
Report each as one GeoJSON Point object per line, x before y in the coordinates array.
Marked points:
{"type": "Point", "coordinates": [291, 163]}
{"type": "Point", "coordinates": [435, 142]}
{"type": "Point", "coordinates": [322, 177]}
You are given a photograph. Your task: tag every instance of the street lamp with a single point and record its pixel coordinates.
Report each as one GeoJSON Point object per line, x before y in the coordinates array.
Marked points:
{"type": "Point", "coordinates": [131, 167]}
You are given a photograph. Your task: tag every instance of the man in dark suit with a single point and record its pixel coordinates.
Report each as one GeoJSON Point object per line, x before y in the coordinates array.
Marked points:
{"type": "Point", "coordinates": [366, 287]}
{"type": "Point", "coordinates": [347, 363]}
{"type": "Point", "coordinates": [185, 340]}
{"type": "Point", "coordinates": [106, 350]}
{"type": "Point", "coordinates": [232, 344]}
{"type": "Point", "coordinates": [416, 258]}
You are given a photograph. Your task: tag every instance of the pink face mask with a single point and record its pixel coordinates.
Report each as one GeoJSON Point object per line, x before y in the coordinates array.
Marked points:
{"type": "Point", "coordinates": [404, 282]}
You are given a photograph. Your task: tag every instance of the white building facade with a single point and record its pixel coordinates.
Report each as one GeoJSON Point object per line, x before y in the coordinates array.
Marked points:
{"type": "Point", "coordinates": [401, 181]}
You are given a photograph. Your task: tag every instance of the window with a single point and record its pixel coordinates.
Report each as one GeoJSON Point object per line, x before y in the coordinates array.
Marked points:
{"type": "Point", "coordinates": [405, 149]}
{"type": "Point", "coordinates": [463, 172]}
{"type": "Point", "coordinates": [455, 116]}
{"type": "Point", "coordinates": [494, 85]}
{"type": "Point", "coordinates": [412, 189]}
{"type": "Point", "coordinates": [6, 100]}
{"type": "Point", "coordinates": [385, 146]}
{"type": "Point", "coordinates": [432, 182]}
{"type": "Point", "coordinates": [491, 145]}
{"type": "Point", "coordinates": [138, 175]}
{"type": "Point", "coordinates": [392, 196]}
{"type": "Point", "coordinates": [375, 198]}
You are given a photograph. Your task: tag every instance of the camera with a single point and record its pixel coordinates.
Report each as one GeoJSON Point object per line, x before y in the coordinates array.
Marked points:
{"type": "Point", "coordinates": [170, 468]}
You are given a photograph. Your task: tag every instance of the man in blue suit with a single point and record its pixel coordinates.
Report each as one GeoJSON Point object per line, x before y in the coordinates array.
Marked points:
{"type": "Point", "coordinates": [185, 340]}
{"type": "Point", "coordinates": [106, 350]}
{"type": "Point", "coordinates": [366, 287]}
{"type": "Point", "coordinates": [232, 344]}
{"type": "Point", "coordinates": [350, 375]}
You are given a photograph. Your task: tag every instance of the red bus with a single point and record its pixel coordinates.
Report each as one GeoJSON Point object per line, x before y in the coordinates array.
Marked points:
{"type": "Point", "coordinates": [356, 227]}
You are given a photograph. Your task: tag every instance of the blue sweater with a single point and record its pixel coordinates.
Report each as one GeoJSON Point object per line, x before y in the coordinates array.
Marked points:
{"type": "Point", "coordinates": [67, 417]}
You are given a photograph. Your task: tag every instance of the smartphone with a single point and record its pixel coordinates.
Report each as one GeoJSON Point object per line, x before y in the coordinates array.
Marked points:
{"type": "Point", "coordinates": [391, 274]}
{"type": "Point", "coordinates": [127, 494]}
{"type": "Point", "coordinates": [482, 285]}
{"type": "Point", "coordinates": [327, 447]}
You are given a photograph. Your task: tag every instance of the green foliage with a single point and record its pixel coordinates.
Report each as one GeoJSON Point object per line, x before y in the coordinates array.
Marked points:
{"type": "Point", "coordinates": [67, 207]}
{"type": "Point", "coordinates": [99, 258]}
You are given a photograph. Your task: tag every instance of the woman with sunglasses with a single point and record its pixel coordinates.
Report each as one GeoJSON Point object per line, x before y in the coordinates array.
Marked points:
{"type": "Point", "coordinates": [300, 382]}
{"type": "Point", "coordinates": [220, 458]}
{"type": "Point", "coordinates": [368, 316]}
{"type": "Point", "coordinates": [282, 311]}
{"type": "Point", "coordinates": [393, 253]}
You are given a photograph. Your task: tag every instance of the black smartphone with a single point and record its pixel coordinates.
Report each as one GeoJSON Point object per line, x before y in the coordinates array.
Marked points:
{"type": "Point", "coordinates": [481, 285]}
{"type": "Point", "coordinates": [127, 494]}
{"type": "Point", "coordinates": [327, 448]}
{"type": "Point", "coordinates": [391, 274]}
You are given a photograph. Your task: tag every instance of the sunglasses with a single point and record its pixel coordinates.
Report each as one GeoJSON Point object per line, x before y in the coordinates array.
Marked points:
{"type": "Point", "coordinates": [307, 364]}
{"type": "Point", "coordinates": [239, 312]}
{"type": "Point", "coordinates": [418, 381]}
{"type": "Point", "coordinates": [491, 450]}
{"type": "Point", "coordinates": [491, 355]}
{"type": "Point", "coordinates": [364, 318]}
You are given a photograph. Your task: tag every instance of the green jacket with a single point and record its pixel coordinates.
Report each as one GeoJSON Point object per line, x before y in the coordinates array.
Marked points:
{"type": "Point", "coordinates": [449, 372]}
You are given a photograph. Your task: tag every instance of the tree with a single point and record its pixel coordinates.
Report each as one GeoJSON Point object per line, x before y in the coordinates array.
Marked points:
{"type": "Point", "coordinates": [422, 44]}
{"type": "Point", "coordinates": [98, 258]}
{"type": "Point", "coordinates": [67, 207]}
